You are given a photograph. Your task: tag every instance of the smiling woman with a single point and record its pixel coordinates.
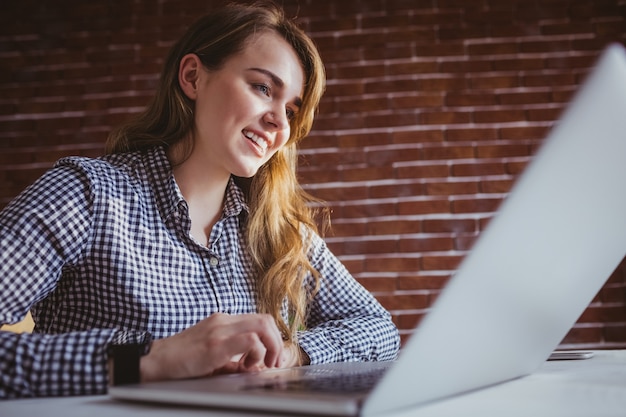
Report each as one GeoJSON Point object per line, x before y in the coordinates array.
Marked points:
{"type": "Point", "coordinates": [210, 259]}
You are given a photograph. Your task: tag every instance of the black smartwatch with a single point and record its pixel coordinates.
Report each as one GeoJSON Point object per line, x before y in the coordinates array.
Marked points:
{"type": "Point", "coordinates": [124, 360]}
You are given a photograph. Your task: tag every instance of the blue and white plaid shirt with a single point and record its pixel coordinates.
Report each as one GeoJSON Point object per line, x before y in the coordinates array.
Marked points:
{"type": "Point", "coordinates": [100, 251]}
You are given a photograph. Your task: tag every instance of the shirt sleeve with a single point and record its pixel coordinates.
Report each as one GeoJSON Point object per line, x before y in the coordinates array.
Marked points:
{"type": "Point", "coordinates": [35, 365]}
{"type": "Point", "coordinates": [43, 231]}
{"type": "Point", "coordinates": [345, 322]}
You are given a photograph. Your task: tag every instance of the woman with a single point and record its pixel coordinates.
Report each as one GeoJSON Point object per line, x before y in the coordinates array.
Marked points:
{"type": "Point", "coordinates": [190, 248]}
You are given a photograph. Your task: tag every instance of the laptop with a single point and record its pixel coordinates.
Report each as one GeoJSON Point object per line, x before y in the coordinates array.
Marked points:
{"type": "Point", "coordinates": [547, 252]}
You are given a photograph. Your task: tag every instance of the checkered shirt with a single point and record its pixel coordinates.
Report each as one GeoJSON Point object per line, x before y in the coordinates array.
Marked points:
{"type": "Point", "coordinates": [100, 251]}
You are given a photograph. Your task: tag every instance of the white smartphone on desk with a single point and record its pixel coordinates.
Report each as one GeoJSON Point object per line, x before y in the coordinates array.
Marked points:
{"type": "Point", "coordinates": [564, 355]}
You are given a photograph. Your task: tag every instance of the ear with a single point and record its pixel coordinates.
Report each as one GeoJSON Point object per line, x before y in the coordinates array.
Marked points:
{"type": "Point", "coordinates": [188, 72]}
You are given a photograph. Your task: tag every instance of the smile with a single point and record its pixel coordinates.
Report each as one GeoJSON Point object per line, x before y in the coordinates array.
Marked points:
{"type": "Point", "coordinates": [261, 143]}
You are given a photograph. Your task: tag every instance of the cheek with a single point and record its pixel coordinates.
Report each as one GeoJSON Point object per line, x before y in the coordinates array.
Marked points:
{"type": "Point", "coordinates": [284, 137]}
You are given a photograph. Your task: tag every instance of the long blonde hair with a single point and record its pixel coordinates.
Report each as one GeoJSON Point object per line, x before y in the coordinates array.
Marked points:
{"type": "Point", "coordinates": [281, 215]}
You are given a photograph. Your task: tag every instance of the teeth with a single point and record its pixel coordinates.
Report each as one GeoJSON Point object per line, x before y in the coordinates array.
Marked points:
{"type": "Point", "coordinates": [256, 139]}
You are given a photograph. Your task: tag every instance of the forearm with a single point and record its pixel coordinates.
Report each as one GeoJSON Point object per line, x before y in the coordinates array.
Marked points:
{"type": "Point", "coordinates": [369, 338]}
{"type": "Point", "coordinates": [35, 365]}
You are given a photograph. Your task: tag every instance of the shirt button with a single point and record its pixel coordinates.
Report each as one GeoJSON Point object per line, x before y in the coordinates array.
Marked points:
{"type": "Point", "coordinates": [214, 261]}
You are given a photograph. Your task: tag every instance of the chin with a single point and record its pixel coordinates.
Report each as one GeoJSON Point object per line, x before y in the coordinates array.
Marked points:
{"type": "Point", "coordinates": [245, 173]}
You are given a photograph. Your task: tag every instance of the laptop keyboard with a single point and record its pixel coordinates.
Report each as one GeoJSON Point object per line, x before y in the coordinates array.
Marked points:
{"type": "Point", "coordinates": [326, 381]}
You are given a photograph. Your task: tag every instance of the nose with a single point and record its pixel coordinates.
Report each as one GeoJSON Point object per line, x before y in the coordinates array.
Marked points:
{"type": "Point", "coordinates": [277, 120]}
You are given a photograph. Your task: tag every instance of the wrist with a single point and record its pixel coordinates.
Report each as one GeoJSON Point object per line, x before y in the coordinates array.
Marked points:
{"type": "Point", "coordinates": [297, 356]}
{"type": "Point", "coordinates": [149, 368]}
{"type": "Point", "coordinates": [304, 357]}
{"type": "Point", "coordinates": [124, 355]}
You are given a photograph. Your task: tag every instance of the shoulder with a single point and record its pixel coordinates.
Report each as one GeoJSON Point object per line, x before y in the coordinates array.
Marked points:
{"type": "Point", "coordinates": [117, 173]}
{"type": "Point", "coordinates": [103, 168]}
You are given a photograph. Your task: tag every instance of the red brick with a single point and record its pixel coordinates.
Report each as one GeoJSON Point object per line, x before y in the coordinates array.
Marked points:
{"type": "Point", "coordinates": [404, 301]}
{"type": "Point", "coordinates": [519, 64]}
{"type": "Point", "coordinates": [411, 68]}
{"type": "Point", "coordinates": [424, 207]}
{"type": "Point", "coordinates": [470, 134]}
{"type": "Point", "coordinates": [392, 264]}
{"type": "Point", "coordinates": [476, 205]}
{"type": "Point", "coordinates": [496, 186]}
{"type": "Point", "coordinates": [416, 101]}
{"type": "Point", "coordinates": [423, 282]}
{"type": "Point", "coordinates": [440, 263]}
{"type": "Point", "coordinates": [389, 156]}
{"type": "Point", "coordinates": [448, 152]}
{"type": "Point", "coordinates": [548, 79]}
{"type": "Point", "coordinates": [503, 150]}
{"type": "Point", "coordinates": [493, 48]}
{"type": "Point", "coordinates": [494, 81]}
{"type": "Point", "coordinates": [477, 169]}
{"type": "Point", "coordinates": [466, 66]}
{"type": "Point", "coordinates": [391, 227]}
{"type": "Point", "coordinates": [452, 188]}
{"type": "Point", "coordinates": [445, 117]}
{"type": "Point", "coordinates": [466, 98]}
{"type": "Point", "coordinates": [397, 190]}
{"type": "Point", "coordinates": [341, 193]}
{"type": "Point", "coordinates": [389, 119]}
{"type": "Point", "coordinates": [368, 210]}
{"type": "Point", "coordinates": [426, 244]}
{"type": "Point", "coordinates": [524, 132]}
{"type": "Point", "coordinates": [368, 247]}
{"type": "Point", "coordinates": [545, 114]}
{"type": "Point", "coordinates": [369, 173]}
{"type": "Point", "coordinates": [359, 71]}
{"type": "Point", "coordinates": [360, 140]}
{"type": "Point", "coordinates": [423, 171]}
{"type": "Point", "coordinates": [449, 225]}
{"type": "Point", "coordinates": [418, 136]}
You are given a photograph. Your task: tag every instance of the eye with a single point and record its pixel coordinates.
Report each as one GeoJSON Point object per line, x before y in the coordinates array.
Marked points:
{"type": "Point", "coordinates": [291, 114]}
{"type": "Point", "coordinates": [263, 89]}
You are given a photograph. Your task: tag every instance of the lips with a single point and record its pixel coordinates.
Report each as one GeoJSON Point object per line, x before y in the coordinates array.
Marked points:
{"type": "Point", "coordinates": [258, 140]}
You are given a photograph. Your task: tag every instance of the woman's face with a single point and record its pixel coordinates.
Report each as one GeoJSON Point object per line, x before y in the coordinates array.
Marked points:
{"type": "Point", "coordinates": [242, 110]}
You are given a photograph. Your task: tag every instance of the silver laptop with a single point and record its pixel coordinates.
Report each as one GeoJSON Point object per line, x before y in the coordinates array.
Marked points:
{"type": "Point", "coordinates": [548, 251]}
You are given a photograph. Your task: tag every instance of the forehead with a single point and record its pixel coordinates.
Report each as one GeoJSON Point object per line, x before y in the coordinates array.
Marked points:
{"type": "Point", "coordinates": [271, 52]}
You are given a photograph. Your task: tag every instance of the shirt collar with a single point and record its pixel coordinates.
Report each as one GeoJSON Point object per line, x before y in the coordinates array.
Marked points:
{"type": "Point", "coordinates": [234, 200]}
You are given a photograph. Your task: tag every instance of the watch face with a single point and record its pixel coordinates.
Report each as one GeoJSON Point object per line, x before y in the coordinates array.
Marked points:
{"type": "Point", "coordinates": [124, 363]}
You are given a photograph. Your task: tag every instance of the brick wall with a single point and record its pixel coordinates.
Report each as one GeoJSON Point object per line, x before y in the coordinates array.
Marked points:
{"type": "Point", "coordinates": [433, 108]}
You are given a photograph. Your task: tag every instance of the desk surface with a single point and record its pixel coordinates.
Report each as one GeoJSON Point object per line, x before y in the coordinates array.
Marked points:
{"type": "Point", "coordinates": [593, 387]}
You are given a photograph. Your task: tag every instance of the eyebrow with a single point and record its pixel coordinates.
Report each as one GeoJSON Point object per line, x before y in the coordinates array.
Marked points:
{"type": "Point", "coordinates": [277, 81]}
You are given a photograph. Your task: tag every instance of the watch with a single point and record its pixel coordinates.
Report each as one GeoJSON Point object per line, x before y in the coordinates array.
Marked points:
{"type": "Point", "coordinates": [124, 360]}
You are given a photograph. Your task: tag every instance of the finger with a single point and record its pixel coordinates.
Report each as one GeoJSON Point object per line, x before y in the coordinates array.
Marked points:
{"type": "Point", "coordinates": [266, 330]}
{"type": "Point", "coordinates": [255, 359]}
{"type": "Point", "coordinates": [272, 340]}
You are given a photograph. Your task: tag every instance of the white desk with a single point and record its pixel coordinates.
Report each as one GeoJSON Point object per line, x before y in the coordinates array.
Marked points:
{"type": "Point", "coordinates": [588, 388]}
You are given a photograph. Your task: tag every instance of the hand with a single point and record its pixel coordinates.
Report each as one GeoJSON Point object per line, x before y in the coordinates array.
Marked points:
{"type": "Point", "coordinates": [293, 355]}
{"type": "Point", "coordinates": [208, 347]}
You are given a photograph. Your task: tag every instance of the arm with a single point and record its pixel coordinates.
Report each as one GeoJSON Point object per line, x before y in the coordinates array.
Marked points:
{"type": "Point", "coordinates": [42, 231]}
{"type": "Point", "coordinates": [46, 232]}
{"type": "Point", "coordinates": [52, 365]}
{"type": "Point", "coordinates": [346, 323]}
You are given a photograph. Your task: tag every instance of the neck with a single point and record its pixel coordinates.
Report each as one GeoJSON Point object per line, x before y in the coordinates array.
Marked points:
{"type": "Point", "coordinates": [203, 188]}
